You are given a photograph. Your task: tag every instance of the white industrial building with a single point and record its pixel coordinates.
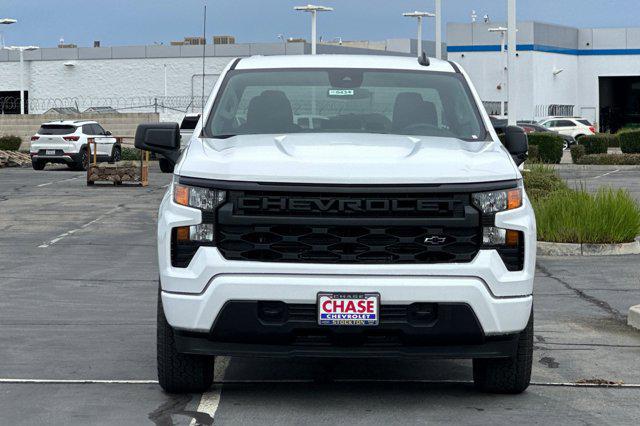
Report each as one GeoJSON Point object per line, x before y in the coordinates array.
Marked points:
{"type": "Point", "coordinates": [159, 78]}
{"type": "Point", "coordinates": [594, 73]}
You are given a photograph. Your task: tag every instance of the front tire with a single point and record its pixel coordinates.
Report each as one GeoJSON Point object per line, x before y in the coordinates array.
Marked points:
{"type": "Point", "coordinates": [38, 165]}
{"type": "Point", "coordinates": [511, 375]}
{"type": "Point", "coordinates": [178, 372]}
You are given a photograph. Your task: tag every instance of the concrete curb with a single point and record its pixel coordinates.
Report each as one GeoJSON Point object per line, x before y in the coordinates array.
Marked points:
{"type": "Point", "coordinates": [567, 249]}
{"type": "Point", "coordinates": [594, 167]}
{"type": "Point", "coordinates": [633, 319]}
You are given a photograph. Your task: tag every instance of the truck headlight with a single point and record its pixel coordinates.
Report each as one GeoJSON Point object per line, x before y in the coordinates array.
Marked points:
{"type": "Point", "coordinates": [497, 201]}
{"type": "Point", "coordinates": [206, 199]}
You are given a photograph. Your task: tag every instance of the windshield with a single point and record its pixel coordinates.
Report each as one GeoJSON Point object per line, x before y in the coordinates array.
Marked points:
{"type": "Point", "coordinates": [345, 101]}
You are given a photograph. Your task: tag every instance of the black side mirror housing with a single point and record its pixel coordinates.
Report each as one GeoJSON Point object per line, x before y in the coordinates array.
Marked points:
{"type": "Point", "coordinates": [161, 138]}
{"type": "Point", "coordinates": [107, 133]}
{"type": "Point", "coordinates": [517, 143]}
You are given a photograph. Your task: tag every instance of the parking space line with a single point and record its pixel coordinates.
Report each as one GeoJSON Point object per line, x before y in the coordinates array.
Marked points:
{"type": "Point", "coordinates": [606, 174]}
{"type": "Point", "coordinates": [210, 401]}
{"type": "Point", "coordinates": [73, 231]}
{"type": "Point", "coordinates": [56, 181]}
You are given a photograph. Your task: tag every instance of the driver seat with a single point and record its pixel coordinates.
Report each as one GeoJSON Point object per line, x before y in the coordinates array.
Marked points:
{"type": "Point", "coordinates": [410, 109]}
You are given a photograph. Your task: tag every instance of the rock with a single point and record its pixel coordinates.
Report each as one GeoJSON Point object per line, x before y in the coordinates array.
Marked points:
{"type": "Point", "coordinates": [14, 159]}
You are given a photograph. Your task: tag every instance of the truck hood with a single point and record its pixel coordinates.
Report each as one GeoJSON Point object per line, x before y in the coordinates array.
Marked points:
{"type": "Point", "coordinates": [338, 158]}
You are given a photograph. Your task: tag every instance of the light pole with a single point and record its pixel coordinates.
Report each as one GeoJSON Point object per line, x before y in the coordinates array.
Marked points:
{"type": "Point", "coordinates": [5, 21]}
{"type": "Point", "coordinates": [419, 16]}
{"type": "Point", "coordinates": [21, 50]}
{"type": "Point", "coordinates": [503, 32]}
{"type": "Point", "coordinates": [511, 61]}
{"type": "Point", "coordinates": [314, 17]}
{"type": "Point", "coordinates": [438, 29]}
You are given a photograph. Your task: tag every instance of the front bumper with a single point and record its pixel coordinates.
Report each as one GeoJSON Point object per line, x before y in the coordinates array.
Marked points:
{"type": "Point", "coordinates": [193, 297]}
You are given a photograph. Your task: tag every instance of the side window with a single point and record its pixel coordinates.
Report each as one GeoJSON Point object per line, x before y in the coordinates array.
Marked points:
{"type": "Point", "coordinates": [566, 123]}
{"type": "Point", "coordinates": [86, 129]}
{"type": "Point", "coordinates": [98, 129]}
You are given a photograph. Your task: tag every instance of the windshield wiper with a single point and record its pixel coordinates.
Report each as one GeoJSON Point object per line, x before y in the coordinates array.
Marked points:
{"type": "Point", "coordinates": [225, 136]}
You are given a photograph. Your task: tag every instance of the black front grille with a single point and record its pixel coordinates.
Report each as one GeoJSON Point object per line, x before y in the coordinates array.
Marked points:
{"type": "Point", "coordinates": [347, 244]}
{"type": "Point", "coordinates": [358, 228]}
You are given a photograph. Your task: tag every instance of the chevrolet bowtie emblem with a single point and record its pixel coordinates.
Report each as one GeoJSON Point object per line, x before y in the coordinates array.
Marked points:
{"type": "Point", "coordinates": [435, 240]}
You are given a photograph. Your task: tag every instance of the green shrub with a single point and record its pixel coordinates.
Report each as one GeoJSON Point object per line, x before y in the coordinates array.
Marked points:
{"type": "Point", "coordinates": [610, 159]}
{"type": "Point", "coordinates": [630, 142]}
{"type": "Point", "coordinates": [596, 144]}
{"type": "Point", "coordinates": [541, 181]}
{"type": "Point", "coordinates": [606, 217]}
{"type": "Point", "coordinates": [129, 154]}
{"type": "Point", "coordinates": [549, 146]}
{"type": "Point", "coordinates": [534, 154]}
{"type": "Point", "coordinates": [577, 152]}
{"type": "Point", "coordinates": [10, 143]}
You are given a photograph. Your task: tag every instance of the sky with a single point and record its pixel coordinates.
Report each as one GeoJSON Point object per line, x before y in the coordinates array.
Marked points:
{"type": "Point", "coordinates": [134, 22]}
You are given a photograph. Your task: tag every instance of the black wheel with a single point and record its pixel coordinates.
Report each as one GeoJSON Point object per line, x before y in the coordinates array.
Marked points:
{"type": "Point", "coordinates": [579, 137]}
{"type": "Point", "coordinates": [116, 154]}
{"type": "Point", "coordinates": [510, 375]}
{"type": "Point", "coordinates": [177, 372]}
{"type": "Point", "coordinates": [82, 163]}
{"type": "Point", "coordinates": [166, 166]}
{"type": "Point", "coordinates": [38, 165]}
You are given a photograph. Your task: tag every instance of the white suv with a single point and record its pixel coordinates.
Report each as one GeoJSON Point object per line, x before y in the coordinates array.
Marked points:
{"type": "Point", "coordinates": [575, 127]}
{"type": "Point", "coordinates": [66, 142]}
{"type": "Point", "coordinates": [399, 227]}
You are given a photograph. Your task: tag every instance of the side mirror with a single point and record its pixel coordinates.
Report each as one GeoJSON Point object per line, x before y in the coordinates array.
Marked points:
{"type": "Point", "coordinates": [107, 133]}
{"type": "Point", "coordinates": [517, 143]}
{"type": "Point", "coordinates": [161, 138]}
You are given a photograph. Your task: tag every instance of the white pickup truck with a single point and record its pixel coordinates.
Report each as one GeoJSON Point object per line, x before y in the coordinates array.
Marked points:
{"type": "Point", "coordinates": [396, 227]}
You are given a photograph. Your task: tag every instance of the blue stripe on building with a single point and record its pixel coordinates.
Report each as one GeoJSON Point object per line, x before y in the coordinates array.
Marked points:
{"type": "Point", "coordinates": [547, 49]}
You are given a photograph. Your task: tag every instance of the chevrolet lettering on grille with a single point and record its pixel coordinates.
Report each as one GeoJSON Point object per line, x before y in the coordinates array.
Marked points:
{"type": "Point", "coordinates": [339, 205]}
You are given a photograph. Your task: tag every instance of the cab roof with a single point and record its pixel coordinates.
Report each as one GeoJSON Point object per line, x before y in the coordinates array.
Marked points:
{"type": "Point", "coordinates": [343, 61]}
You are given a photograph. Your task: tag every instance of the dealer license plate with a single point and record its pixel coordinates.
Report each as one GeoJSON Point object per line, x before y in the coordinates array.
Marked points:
{"type": "Point", "coordinates": [348, 309]}
{"type": "Point", "coordinates": [50, 152]}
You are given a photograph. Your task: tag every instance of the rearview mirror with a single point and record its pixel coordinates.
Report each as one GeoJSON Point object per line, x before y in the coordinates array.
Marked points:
{"type": "Point", "coordinates": [517, 143]}
{"type": "Point", "coordinates": [161, 138]}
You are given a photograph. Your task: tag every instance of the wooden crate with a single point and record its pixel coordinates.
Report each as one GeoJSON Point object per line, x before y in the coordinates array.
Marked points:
{"type": "Point", "coordinates": [122, 172]}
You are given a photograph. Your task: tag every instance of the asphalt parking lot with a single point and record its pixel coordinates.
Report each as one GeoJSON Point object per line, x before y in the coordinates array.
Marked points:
{"type": "Point", "coordinates": [78, 285]}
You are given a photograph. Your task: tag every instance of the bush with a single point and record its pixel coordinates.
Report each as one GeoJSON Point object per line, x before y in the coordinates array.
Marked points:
{"type": "Point", "coordinates": [630, 142]}
{"type": "Point", "coordinates": [10, 143]}
{"type": "Point", "coordinates": [607, 217]}
{"type": "Point", "coordinates": [129, 154]}
{"type": "Point", "coordinates": [549, 146]}
{"type": "Point", "coordinates": [610, 159]}
{"type": "Point", "coordinates": [596, 144]}
{"type": "Point", "coordinates": [577, 152]}
{"type": "Point", "coordinates": [540, 181]}
{"type": "Point", "coordinates": [534, 154]}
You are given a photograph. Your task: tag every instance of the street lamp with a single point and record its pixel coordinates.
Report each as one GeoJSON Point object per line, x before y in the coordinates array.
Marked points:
{"type": "Point", "coordinates": [419, 16]}
{"type": "Point", "coordinates": [511, 61]}
{"type": "Point", "coordinates": [503, 32]}
{"type": "Point", "coordinates": [21, 50]}
{"type": "Point", "coordinates": [438, 29]}
{"type": "Point", "coordinates": [5, 21]}
{"type": "Point", "coordinates": [314, 16]}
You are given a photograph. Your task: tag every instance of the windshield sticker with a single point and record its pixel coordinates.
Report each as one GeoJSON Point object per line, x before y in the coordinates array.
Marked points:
{"type": "Point", "coordinates": [341, 92]}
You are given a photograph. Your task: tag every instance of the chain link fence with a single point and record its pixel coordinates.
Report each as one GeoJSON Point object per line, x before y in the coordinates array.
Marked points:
{"type": "Point", "coordinates": [181, 104]}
